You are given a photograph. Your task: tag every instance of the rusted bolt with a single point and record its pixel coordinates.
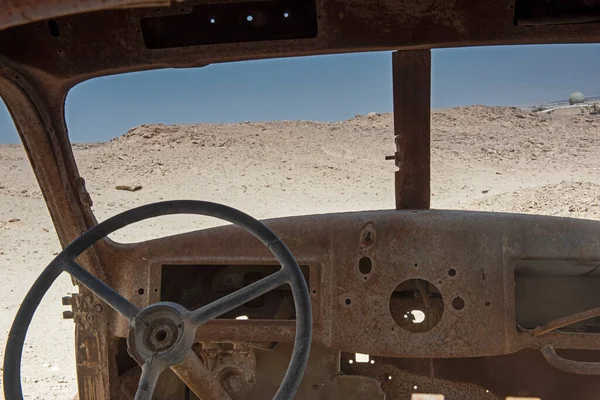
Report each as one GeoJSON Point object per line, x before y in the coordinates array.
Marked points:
{"type": "Point", "coordinates": [67, 301]}
{"type": "Point", "coordinates": [98, 308]}
{"type": "Point", "coordinates": [68, 314]}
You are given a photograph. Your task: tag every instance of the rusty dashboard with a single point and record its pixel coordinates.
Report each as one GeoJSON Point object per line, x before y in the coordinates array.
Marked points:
{"type": "Point", "coordinates": [481, 281]}
{"type": "Point", "coordinates": [473, 305]}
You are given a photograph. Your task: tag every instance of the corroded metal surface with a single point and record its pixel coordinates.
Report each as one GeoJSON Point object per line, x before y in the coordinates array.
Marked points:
{"type": "Point", "coordinates": [523, 374]}
{"type": "Point", "coordinates": [81, 46]}
{"type": "Point", "coordinates": [37, 109]}
{"type": "Point", "coordinates": [199, 378]}
{"type": "Point", "coordinates": [566, 321]}
{"type": "Point", "coordinates": [466, 255]}
{"type": "Point", "coordinates": [13, 13]}
{"type": "Point", "coordinates": [570, 366]}
{"type": "Point", "coordinates": [473, 260]}
{"type": "Point", "coordinates": [412, 97]}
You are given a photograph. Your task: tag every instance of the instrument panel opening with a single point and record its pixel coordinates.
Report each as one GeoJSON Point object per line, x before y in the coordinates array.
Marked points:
{"type": "Point", "coordinates": [194, 286]}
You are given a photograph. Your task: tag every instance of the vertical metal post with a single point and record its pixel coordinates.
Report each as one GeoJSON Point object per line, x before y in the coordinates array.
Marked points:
{"type": "Point", "coordinates": [412, 109]}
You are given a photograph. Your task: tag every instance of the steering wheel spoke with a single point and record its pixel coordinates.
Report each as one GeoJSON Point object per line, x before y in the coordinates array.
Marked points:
{"type": "Point", "coordinates": [150, 373]}
{"type": "Point", "coordinates": [101, 289]}
{"type": "Point", "coordinates": [238, 298]}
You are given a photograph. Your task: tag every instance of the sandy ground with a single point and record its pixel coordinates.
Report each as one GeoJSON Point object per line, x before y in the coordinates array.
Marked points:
{"type": "Point", "coordinates": [484, 158]}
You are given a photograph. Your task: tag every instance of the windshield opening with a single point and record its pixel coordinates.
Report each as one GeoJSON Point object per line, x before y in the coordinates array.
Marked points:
{"type": "Point", "coordinates": [309, 135]}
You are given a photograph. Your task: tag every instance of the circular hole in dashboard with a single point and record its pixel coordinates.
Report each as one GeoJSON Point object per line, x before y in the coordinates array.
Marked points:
{"type": "Point", "coordinates": [416, 305]}
{"type": "Point", "coordinates": [458, 303]}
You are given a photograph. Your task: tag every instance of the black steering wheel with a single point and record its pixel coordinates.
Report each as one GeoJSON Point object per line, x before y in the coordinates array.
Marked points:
{"type": "Point", "coordinates": [162, 334]}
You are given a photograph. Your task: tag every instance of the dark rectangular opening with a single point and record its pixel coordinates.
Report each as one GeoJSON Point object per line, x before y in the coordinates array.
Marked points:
{"type": "Point", "coordinates": [231, 23]}
{"type": "Point", "coordinates": [194, 286]}
{"type": "Point", "coordinates": [546, 290]}
{"type": "Point", "coordinates": [556, 12]}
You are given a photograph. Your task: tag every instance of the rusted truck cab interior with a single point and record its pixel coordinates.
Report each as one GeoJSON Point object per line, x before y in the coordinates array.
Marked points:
{"type": "Point", "coordinates": [384, 304]}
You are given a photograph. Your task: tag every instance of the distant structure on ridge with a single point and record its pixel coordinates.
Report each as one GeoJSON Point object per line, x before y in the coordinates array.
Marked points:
{"type": "Point", "coordinates": [576, 98]}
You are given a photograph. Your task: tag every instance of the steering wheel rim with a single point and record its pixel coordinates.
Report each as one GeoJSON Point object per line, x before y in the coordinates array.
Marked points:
{"type": "Point", "coordinates": [65, 262]}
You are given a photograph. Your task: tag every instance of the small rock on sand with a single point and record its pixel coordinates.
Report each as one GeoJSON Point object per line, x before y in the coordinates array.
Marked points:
{"type": "Point", "coordinates": [131, 188]}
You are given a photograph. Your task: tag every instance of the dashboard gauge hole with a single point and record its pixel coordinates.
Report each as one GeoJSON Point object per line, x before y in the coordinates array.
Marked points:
{"type": "Point", "coordinates": [416, 305]}
{"type": "Point", "coordinates": [365, 265]}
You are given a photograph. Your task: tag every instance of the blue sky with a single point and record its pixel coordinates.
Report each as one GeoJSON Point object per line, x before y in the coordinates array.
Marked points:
{"type": "Point", "coordinates": [323, 88]}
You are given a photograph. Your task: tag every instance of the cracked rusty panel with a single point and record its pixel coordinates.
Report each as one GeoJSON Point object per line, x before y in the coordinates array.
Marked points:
{"type": "Point", "coordinates": [457, 264]}
{"type": "Point", "coordinates": [79, 47]}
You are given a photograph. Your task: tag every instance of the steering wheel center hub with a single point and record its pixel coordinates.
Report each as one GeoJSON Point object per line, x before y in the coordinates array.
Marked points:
{"type": "Point", "coordinates": [161, 335]}
{"type": "Point", "coordinates": [160, 330]}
